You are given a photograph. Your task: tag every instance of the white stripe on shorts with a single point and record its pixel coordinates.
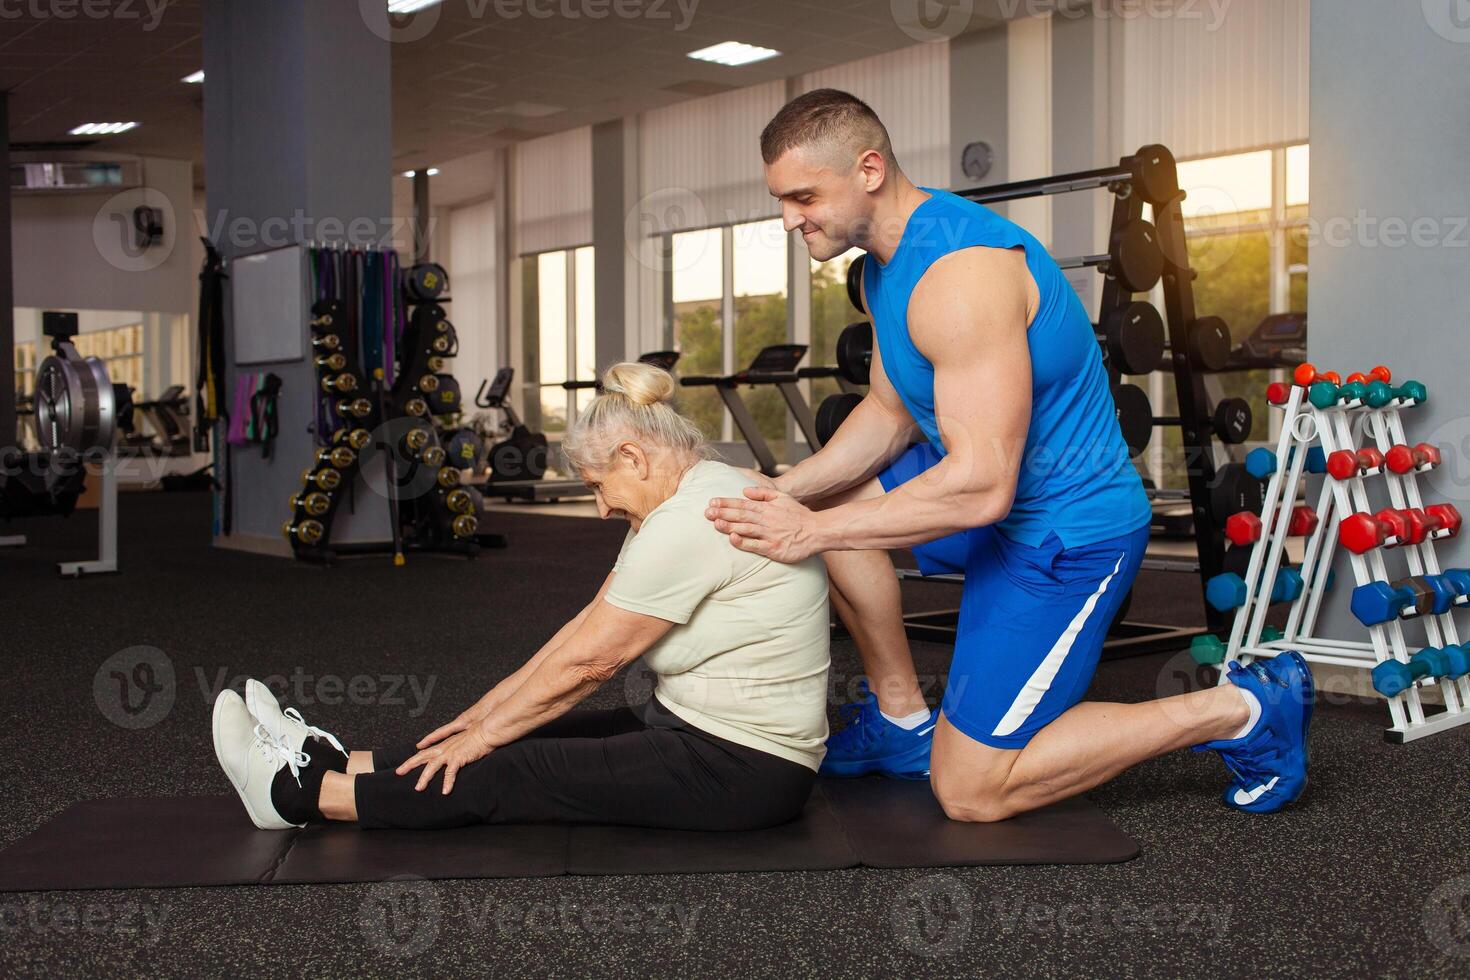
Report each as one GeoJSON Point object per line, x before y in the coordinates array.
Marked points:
{"type": "Point", "coordinates": [1040, 681]}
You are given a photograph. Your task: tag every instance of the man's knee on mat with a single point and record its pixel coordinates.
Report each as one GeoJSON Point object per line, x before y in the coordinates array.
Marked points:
{"type": "Point", "coordinates": [973, 782]}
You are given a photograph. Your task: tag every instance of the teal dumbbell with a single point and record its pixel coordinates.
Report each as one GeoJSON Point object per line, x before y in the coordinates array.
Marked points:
{"type": "Point", "coordinates": [1323, 394]}
{"type": "Point", "coordinates": [1353, 391]}
{"type": "Point", "coordinates": [1380, 602]}
{"type": "Point", "coordinates": [1412, 392]}
{"type": "Point", "coordinates": [1260, 463]}
{"type": "Point", "coordinates": [1380, 393]}
{"type": "Point", "coordinates": [1207, 649]}
{"type": "Point", "coordinates": [1270, 634]}
{"type": "Point", "coordinates": [1458, 662]}
{"type": "Point", "coordinates": [1391, 677]}
{"type": "Point", "coordinates": [1225, 592]}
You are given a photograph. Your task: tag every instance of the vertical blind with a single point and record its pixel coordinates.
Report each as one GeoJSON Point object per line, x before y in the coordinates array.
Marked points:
{"type": "Point", "coordinates": [553, 191]}
{"type": "Point", "coordinates": [1210, 84]}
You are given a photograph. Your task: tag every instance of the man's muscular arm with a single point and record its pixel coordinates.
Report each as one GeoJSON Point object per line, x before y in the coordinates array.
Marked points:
{"type": "Point", "coordinates": [877, 431]}
{"type": "Point", "coordinates": [968, 316]}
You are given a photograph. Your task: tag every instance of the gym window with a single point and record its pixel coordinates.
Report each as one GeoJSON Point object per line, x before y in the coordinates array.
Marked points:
{"type": "Point", "coordinates": [725, 299]}
{"type": "Point", "coordinates": [1245, 219]}
{"type": "Point", "coordinates": [560, 325]}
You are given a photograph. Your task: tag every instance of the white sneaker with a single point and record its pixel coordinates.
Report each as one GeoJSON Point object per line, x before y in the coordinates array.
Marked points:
{"type": "Point", "coordinates": [251, 757]}
{"type": "Point", "coordinates": [285, 726]}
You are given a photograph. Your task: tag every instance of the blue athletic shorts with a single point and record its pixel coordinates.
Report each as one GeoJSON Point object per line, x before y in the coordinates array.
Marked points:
{"type": "Point", "coordinates": [1032, 620]}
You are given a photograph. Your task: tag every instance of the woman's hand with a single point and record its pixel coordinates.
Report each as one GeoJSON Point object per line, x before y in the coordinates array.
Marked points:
{"type": "Point", "coordinates": [470, 716]}
{"type": "Point", "coordinates": [451, 755]}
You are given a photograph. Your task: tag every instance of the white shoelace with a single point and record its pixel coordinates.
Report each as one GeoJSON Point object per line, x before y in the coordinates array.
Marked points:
{"type": "Point", "coordinates": [315, 732]}
{"type": "Point", "coordinates": [275, 752]}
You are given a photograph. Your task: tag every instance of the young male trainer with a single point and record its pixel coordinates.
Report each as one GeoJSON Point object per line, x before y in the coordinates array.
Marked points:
{"type": "Point", "coordinates": [1019, 478]}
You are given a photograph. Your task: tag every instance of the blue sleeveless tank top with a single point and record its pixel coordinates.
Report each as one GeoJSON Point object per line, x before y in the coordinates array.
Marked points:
{"type": "Point", "coordinates": [1076, 477]}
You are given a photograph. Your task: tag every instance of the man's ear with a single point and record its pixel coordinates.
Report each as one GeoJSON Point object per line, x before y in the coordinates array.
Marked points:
{"type": "Point", "coordinates": [874, 170]}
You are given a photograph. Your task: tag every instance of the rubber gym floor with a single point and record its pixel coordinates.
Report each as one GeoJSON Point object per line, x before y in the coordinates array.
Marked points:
{"type": "Point", "coordinates": [1368, 874]}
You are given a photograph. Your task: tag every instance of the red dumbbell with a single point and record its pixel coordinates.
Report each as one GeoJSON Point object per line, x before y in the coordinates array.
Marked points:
{"type": "Point", "coordinates": [1380, 373]}
{"type": "Point", "coordinates": [1360, 532]}
{"type": "Point", "coordinates": [1303, 522]}
{"type": "Point", "coordinates": [1403, 459]}
{"type": "Point", "coordinates": [1449, 519]}
{"type": "Point", "coordinates": [1358, 378]}
{"type": "Point", "coordinates": [1304, 375]}
{"type": "Point", "coordinates": [1420, 525]}
{"type": "Point", "coordinates": [1277, 393]}
{"type": "Point", "coordinates": [1243, 528]}
{"type": "Point", "coordinates": [1330, 376]}
{"type": "Point", "coordinates": [1345, 464]}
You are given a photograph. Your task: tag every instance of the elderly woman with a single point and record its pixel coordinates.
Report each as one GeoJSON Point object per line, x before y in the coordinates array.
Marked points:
{"type": "Point", "coordinates": [730, 740]}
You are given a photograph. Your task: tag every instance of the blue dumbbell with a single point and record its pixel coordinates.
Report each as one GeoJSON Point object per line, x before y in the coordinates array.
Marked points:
{"type": "Point", "coordinates": [1459, 580]}
{"type": "Point", "coordinates": [1225, 592]}
{"type": "Point", "coordinates": [1392, 677]}
{"type": "Point", "coordinates": [1316, 460]}
{"type": "Point", "coordinates": [1380, 602]}
{"type": "Point", "coordinates": [1260, 463]}
{"type": "Point", "coordinates": [1444, 595]}
{"type": "Point", "coordinates": [1288, 585]}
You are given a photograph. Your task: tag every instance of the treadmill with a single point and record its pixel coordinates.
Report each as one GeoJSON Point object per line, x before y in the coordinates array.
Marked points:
{"type": "Point", "coordinates": [774, 365]}
{"type": "Point", "coordinates": [551, 491]}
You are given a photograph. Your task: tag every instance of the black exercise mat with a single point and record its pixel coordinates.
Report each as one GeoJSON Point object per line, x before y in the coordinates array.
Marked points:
{"type": "Point", "coordinates": [894, 823]}
{"type": "Point", "coordinates": [163, 843]}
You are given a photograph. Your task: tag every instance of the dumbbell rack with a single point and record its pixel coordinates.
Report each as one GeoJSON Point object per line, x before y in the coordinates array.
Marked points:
{"type": "Point", "coordinates": [1319, 413]}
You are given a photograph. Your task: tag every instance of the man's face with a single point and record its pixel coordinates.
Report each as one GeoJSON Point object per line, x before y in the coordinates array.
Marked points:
{"type": "Point", "coordinates": [830, 207]}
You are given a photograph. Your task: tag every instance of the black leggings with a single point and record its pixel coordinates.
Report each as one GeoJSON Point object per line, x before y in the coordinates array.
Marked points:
{"type": "Point", "coordinates": [597, 767]}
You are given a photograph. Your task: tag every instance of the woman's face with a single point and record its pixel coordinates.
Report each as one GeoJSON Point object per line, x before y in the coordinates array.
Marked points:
{"type": "Point", "coordinates": [627, 487]}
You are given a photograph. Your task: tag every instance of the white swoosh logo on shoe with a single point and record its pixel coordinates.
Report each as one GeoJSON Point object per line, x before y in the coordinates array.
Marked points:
{"type": "Point", "coordinates": [1246, 797]}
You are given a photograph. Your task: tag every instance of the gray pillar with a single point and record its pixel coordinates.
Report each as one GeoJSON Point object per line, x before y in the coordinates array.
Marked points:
{"type": "Point", "coordinates": [298, 147]}
{"type": "Point", "coordinates": [1078, 136]}
{"type": "Point", "coordinates": [611, 202]}
{"type": "Point", "coordinates": [7, 289]}
{"type": "Point", "coordinates": [977, 101]}
{"type": "Point", "coordinates": [1389, 244]}
{"type": "Point", "coordinates": [421, 239]}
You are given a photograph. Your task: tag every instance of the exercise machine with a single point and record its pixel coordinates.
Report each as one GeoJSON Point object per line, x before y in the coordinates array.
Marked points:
{"type": "Point", "coordinates": [775, 365]}
{"type": "Point", "coordinates": [75, 414]}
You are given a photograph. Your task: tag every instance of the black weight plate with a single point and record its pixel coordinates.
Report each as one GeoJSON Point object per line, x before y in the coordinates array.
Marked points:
{"type": "Point", "coordinates": [426, 282]}
{"type": "Point", "coordinates": [1156, 176]}
{"type": "Point", "coordinates": [1136, 260]}
{"type": "Point", "coordinates": [1135, 338]}
{"type": "Point", "coordinates": [1233, 418]}
{"type": "Point", "coordinates": [1209, 343]}
{"type": "Point", "coordinates": [1233, 491]}
{"type": "Point", "coordinates": [1135, 417]}
{"type": "Point", "coordinates": [855, 283]}
{"type": "Point", "coordinates": [833, 411]}
{"type": "Point", "coordinates": [855, 352]}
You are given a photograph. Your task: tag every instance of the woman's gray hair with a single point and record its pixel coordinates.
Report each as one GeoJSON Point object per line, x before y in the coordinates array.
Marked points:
{"type": "Point", "coordinates": [635, 404]}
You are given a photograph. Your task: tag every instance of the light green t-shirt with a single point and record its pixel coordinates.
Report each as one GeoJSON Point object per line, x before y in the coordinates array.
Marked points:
{"type": "Point", "coordinates": [747, 659]}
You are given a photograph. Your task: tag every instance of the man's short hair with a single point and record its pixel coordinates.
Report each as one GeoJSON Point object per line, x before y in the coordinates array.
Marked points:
{"type": "Point", "coordinates": [837, 124]}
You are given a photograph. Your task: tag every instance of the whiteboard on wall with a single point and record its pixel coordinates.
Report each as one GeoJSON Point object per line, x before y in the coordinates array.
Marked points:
{"type": "Point", "coordinates": [268, 300]}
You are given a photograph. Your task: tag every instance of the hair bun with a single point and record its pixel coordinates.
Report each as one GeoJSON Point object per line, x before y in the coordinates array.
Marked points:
{"type": "Point", "coordinates": [642, 384]}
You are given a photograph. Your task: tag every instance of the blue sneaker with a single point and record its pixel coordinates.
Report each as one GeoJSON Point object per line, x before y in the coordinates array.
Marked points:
{"type": "Point", "coordinates": [870, 743]}
{"type": "Point", "coordinates": [1270, 761]}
